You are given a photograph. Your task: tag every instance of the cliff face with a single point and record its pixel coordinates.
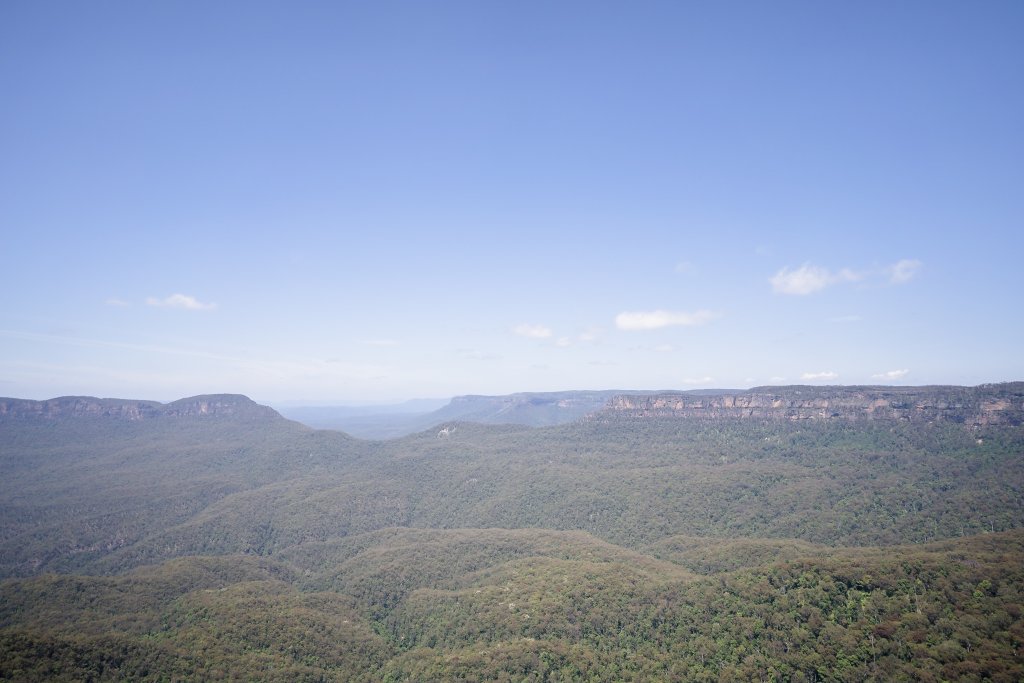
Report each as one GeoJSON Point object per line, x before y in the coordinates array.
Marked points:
{"type": "Point", "coordinates": [990, 404]}
{"type": "Point", "coordinates": [88, 406]}
{"type": "Point", "coordinates": [234, 405]}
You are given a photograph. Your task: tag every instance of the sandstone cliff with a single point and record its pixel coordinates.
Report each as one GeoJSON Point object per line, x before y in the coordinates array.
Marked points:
{"type": "Point", "coordinates": [988, 404]}
{"type": "Point", "coordinates": [63, 407]}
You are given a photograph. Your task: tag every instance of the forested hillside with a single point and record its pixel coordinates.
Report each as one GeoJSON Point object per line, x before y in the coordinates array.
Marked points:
{"type": "Point", "coordinates": [216, 539]}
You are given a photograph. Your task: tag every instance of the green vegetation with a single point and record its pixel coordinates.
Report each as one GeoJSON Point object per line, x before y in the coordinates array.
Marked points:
{"type": "Point", "coordinates": [564, 607]}
{"type": "Point", "coordinates": [226, 547]}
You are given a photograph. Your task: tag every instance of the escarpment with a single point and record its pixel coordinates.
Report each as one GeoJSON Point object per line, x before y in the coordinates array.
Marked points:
{"type": "Point", "coordinates": [988, 404]}
{"type": "Point", "coordinates": [72, 407]}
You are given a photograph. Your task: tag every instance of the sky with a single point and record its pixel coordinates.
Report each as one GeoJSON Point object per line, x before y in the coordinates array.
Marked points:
{"type": "Point", "coordinates": [366, 202]}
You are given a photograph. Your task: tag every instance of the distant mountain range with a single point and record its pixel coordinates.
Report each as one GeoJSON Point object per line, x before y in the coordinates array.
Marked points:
{"type": "Point", "coordinates": [234, 405]}
{"type": "Point", "coordinates": [986, 404]}
{"type": "Point", "coordinates": [534, 409]}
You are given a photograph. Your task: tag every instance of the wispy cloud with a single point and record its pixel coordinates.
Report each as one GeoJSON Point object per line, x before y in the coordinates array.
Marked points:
{"type": "Point", "coordinates": [182, 301]}
{"type": "Point", "coordinates": [819, 376]}
{"type": "Point", "coordinates": [664, 348]}
{"type": "Point", "coordinates": [277, 367]}
{"type": "Point", "coordinates": [532, 331]}
{"type": "Point", "coordinates": [808, 279]}
{"type": "Point", "coordinates": [563, 342]}
{"type": "Point", "coordinates": [892, 374]}
{"type": "Point", "coordinates": [903, 271]}
{"type": "Point", "coordinates": [106, 344]}
{"type": "Point", "coordinates": [685, 268]}
{"type": "Point", "coordinates": [653, 320]}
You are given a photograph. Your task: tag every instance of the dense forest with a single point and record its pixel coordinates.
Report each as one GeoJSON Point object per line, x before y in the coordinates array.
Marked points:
{"type": "Point", "coordinates": [235, 544]}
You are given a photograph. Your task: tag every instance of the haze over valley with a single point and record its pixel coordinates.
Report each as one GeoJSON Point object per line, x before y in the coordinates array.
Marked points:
{"type": "Point", "coordinates": [858, 531]}
{"type": "Point", "coordinates": [511, 342]}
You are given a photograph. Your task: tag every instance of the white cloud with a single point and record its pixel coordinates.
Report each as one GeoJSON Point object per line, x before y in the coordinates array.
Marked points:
{"type": "Point", "coordinates": [532, 331]}
{"type": "Point", "coordinates": [563, 342]}
{"type": "Point", "coordinates": [808, 279]}
{"type": "Point", "coordinates": [182, 301]}
{"type": "Point", "coordinates": [653, 320]}
{"type": "Point", "coordinates": [903, 271]}
{"type": "Point", "coordinates": [892, 374]}
{"type": "Point", "coordinates": [818, 376]}
{"type": "Point", "coordinates": [120, 303]}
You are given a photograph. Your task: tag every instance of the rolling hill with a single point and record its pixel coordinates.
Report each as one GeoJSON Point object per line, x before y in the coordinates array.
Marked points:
{"type": "Point", "coordinates": [826, 533]}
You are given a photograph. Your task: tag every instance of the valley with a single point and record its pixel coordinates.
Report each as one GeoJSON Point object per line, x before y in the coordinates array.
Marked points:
{"type": "Point", "coordinates": [658, 537]}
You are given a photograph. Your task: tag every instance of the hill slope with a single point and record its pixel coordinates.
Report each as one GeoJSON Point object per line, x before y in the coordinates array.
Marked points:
{"type": "Point", "coordinates": [528, 605]}
{"type": "Point", "coordinates": [214, 539]}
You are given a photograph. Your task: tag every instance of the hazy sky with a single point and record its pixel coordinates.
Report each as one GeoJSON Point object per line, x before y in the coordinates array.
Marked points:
{"type": "Point", "coordinates": [387, 200]}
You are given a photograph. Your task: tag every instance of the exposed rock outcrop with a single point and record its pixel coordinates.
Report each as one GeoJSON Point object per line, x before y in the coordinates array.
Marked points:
{"type": "Point", "coordinates": [234, 405]}
{"type": "Point", "coordinates": [988, 404]}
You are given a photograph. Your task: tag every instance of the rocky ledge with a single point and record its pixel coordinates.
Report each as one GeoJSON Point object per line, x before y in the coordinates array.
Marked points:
{"type": "Point", "coordinates": [988, 404]}
{"type": "Point", "coordinates": [234, 405]}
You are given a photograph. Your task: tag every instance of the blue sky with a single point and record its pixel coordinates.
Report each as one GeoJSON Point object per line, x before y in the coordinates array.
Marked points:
{"type": "Point", "coordinates": [380, 201]}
